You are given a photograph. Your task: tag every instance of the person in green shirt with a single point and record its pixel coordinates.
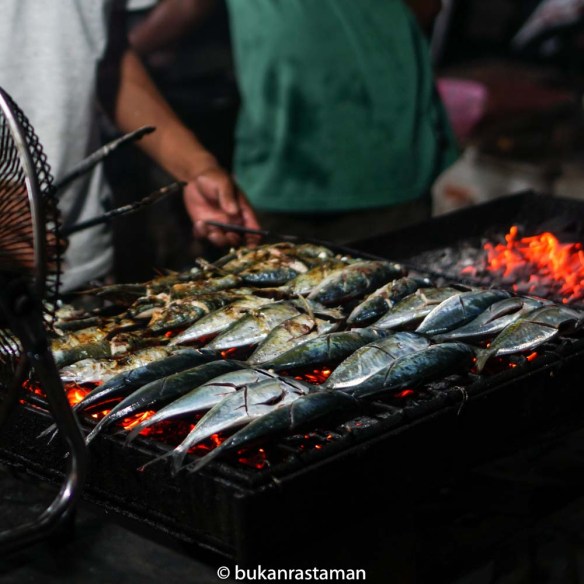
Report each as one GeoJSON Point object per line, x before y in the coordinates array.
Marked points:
{"type": "Point", "coordinates": [340, 132]}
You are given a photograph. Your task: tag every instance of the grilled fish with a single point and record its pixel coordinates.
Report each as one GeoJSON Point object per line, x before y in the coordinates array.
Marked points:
{"type": "Point", "coordinates": [458, 310]}
{"type": "Point", "coordinates": [202, 395]}
{"type": "Point", "coordinates": [414, 307]}
{"type": "Point", "coordinates": [378, 303]}
{"type": "Point", "coordinates": [530, 331]}
{"type": "Point", "coordinates": [325, 349]}
{"type": "Point", "coordinates": [366, 367]}
{"type": "Point", "coordinates": [355, 280]}
{"type": "Point", "coordinates": [239, 409]}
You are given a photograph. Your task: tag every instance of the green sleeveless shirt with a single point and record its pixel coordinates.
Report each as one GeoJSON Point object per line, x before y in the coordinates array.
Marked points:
{"type": "Point", "coordinates": [339, 109]}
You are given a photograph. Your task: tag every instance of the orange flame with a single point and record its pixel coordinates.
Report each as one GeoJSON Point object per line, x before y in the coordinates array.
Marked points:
{"type": "Point", "coordinates": [75, 394]}
{"type": "Point", "coordinates": [554, 264]}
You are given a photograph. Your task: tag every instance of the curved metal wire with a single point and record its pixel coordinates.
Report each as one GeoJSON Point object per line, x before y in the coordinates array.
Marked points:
{"type": "Point", "coordinates": [30, 262]}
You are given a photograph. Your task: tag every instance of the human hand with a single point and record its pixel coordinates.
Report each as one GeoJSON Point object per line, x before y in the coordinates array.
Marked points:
{"type": "Point", "coordinates": [213, 196]}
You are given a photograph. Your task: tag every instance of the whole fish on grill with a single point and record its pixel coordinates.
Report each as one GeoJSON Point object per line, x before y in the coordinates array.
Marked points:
{"type": "Point", "coordinates": [130, 292]}
{"type": "Point", "coordinates": [289, 419]}
{"type": "Point", "coordinates": [181, 362]}
{"type": "Point", "coordinates": [530, 331]}
{"type": "Point", "coordinates": [378, 303]}
{"type": "Point", "coordinates": [493, 320]}
{"type": "Point", "coordinates": [413, 308]}
{"type": "Point", "coordinates": [290, 333]}
{"type": "Point", "coordinates": [239, 409]}
{"type": "Point", "coordinates": [200, 397]}
{"type": "Point", "coordinates": [126, 382]}
{"type": "Point", "coordinates": [216, 322]}
{"type": "Point", "coordinates": [367, 366]}
{"type": "Point", "coordinates": [254, 327]}
{"type": "Point", "coordinates": [239, 260]}
{"type": "Point", "coordinates": [459, 310]}
{"type": "Point", "coordinates": [101, 370]}
{"type": "Point", "coordinates": [414, 369]}
{"type": "Point", "coordinates": [409, 370]}
{"type": "Point", "coordinates": [208, 286]}
{"type": "Point", "coordinates": [169, 394]}
{"type": "Point", "coordinates": [304, 284]}
{"type": "Point", "coordinates": [118, 345]}
{"type": "Point", "coordinates": [181, 313]}
{"type": "Point", "coordinates": [274, 272]}
{"type": "Point", "coordinates": [325, 349]}
{"type": "Point", "coordinates": [355, 280]}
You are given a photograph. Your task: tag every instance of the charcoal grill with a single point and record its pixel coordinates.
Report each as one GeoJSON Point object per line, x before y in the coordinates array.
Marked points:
{"type": "Point", "coordinates": [323, 491]}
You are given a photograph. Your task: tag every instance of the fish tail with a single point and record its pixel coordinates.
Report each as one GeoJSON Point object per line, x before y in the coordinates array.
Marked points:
{"type": "Point", "coordinates": [89, 438]}
{"type": "Point", "coordinates": [155, 460]}
{"type": "Point", "coordinates": [51, 432]}
{"type": "Point", "coordinates": [205, 460]}
{"type": "Point", "coordinates": [178, 456]}
{"type": "Point", "coordinates": [483, 355]}
{"type": "Point", "coordinates": [133, 433]}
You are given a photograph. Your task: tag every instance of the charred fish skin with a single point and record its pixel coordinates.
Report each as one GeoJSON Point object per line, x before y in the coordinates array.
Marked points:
{"type": "Point", "coordinates": [327, 348]}
{"type": "Point", "coordinates": [254, 327]}
{"type": "Point", "coordinates": [355, 280]}
{"type": "Point", "coordinates": [420, 367]}
{"type": "Point", "coordinates": [273, 273]}
{"type": "Point", "coordinates": [238, 409]}
{"type": "Point", "coordinates": [413, 308]}
{"type": "Point", "coordinates": [493, 320]}
{"type": "Point", "coordinates": [305, 411]}
{"type": "Point", "coordinates": [98, 350]}
{"type": "Point", "coordinates": [100, 371]}
{"type": "Point", "coordinates": [378, 303]}
{"type": "Point", "coordinates": [181, 313]}
{"type": "Point", "coordinates": [366, 367]}
{"type": "Point", "coordinates": [198, 396]}
{"type": "Point", "coordinates": [204, 286]}
{"type": "Point", "coordinates": [531, 331]}
{"type": "Point", "coordinates": [459, 310]}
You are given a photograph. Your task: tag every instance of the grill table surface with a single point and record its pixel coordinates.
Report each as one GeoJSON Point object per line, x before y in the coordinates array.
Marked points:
{"type": "Point", "coordinates": [338, 493]}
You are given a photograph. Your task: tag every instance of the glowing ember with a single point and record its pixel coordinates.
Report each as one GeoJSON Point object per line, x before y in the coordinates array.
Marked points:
{"type": "Point", "coordinates": [404, 393]}
{"type": "Point", "coordinates": [538, 263]}
{"type": "Point", "coordinates": [132, 421]}
{"type": "Point", "coordinates": [225, 354]}
{"type": "Point", "coordinates": [256, 459]}
{"type": "Point", "coordinates": [316, 376]}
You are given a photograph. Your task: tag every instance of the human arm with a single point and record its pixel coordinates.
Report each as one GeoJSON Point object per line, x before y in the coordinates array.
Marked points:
{"type": "Point", "coordinates": [211, 194]}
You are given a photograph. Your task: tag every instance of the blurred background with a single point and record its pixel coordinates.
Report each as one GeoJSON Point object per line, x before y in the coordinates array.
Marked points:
{"type": "Point", "coordinates": [509, 73]}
